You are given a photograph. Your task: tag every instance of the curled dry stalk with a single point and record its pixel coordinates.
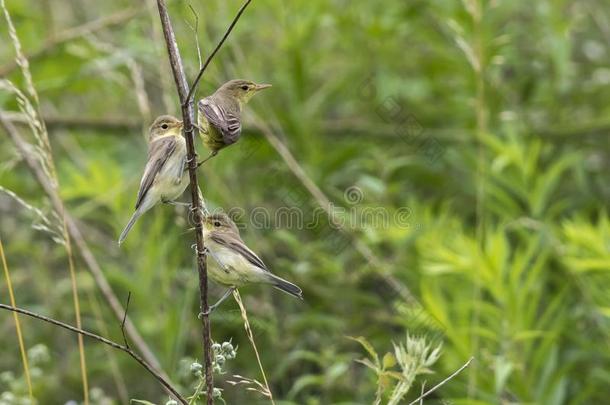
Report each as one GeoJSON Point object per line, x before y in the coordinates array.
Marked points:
{"type": "Point", "coordinates": [244, 315]}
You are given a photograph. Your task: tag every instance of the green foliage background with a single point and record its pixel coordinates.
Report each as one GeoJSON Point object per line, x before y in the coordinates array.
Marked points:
{"type": "Point", "coordinates": [488, 123]}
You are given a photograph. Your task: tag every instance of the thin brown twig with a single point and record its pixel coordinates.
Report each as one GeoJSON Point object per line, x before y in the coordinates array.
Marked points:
{"type": "Point", "coordinates": [117, 374]}
{"type": "Point", "coordinates": [73, 33]}
{"type": "Point", "coordinates": [195, 30]}
{"type": "Point", "coordinates": [188, 117]}
{"type": "Point", "coordinates": [211, 56]}
{"type": "Point", "coordinates": [81, 244]}
{"type": "Point", "coordinates": [124, 319]}
{"type": "Point", "coordinates": [104, 340]}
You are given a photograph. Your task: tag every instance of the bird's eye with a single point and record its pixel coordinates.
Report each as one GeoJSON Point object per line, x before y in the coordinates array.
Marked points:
{"type": "Point", "coordinates": [216, 224]}
{"type": "Point", "coordinates": [164, 126]}
{"type": "Point", "coordinates": [244, 87]}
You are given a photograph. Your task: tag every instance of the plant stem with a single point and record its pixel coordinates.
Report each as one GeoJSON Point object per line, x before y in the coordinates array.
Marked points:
{"type": "Point", "coordinates": [188, 116]}
{"type": "Point", "coordinates": [108, 342]}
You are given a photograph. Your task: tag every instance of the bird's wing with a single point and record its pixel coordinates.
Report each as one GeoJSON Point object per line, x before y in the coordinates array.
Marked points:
{"type": "Point", "coordinates": [238, 246]}
{"type": "Point", "coordinates": [180, 171]}
{"type": "Point", "coordinates": [159, 151]}
{"type": "Point", "coordinates": [226, 122]}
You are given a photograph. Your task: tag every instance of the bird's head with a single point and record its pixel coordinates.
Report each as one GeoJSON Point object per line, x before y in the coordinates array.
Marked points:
{"type": "Point", "coordinates": [220, 222]}
{"type": "Point", "coordinates": [242, 90]}
{"type": "Point", "coordinates": [164, 125]}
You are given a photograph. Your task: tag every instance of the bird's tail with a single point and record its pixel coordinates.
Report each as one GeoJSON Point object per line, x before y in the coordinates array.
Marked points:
{"type": "Point", "coordinates": [285, 286]}
{"type": "Point", "coordinates": [132, 221]}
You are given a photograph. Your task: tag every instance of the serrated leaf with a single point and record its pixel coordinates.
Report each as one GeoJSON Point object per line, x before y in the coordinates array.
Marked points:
{"type": "Point", "coordinates": [368, 347]}
{"type": "Point", "coordinates": [368, 363]}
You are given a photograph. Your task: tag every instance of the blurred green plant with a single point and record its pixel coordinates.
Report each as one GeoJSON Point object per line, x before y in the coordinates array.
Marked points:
{"type": "Point", "coordinates": [396, 372]}
{"type": "Point", "coordinates": [522, 285]}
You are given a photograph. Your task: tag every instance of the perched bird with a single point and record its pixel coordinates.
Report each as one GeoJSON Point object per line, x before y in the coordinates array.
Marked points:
{"type": "Point", "coordinates": [164, 178]}
{"type": "Point", "coordinates": [237, 264]}
{"type": "Point", "coordinates": [219, 118]}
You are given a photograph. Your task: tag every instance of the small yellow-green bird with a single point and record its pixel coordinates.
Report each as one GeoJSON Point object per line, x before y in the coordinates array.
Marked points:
{"type": "Point", "coordinates": [164, 178]}
{"type": "Point", "coordinates": [219, 117]}
{"type": "Point", "coordinates": [237, 264]}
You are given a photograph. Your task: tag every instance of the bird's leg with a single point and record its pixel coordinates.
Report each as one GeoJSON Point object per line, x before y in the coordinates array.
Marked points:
{"type": "Point", "coordinates": [201, 208]}
{"type": "Point", "coordinates": [226, 294]}
{"type": "Point", "coordinates": [213, 307]}
{"type": "Point", "coordinates": [214, 153]}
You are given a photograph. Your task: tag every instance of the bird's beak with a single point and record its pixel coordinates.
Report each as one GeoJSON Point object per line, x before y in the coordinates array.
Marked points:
{"type": "Point", "coordinates": [262, 86]}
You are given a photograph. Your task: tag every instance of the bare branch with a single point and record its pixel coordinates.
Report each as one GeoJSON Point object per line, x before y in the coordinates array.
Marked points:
{"type": "Point", "coordinates": [211, 56]}
{"type": "Point", "coordinates": [188, 117]}
{"type": "Point", "coordinates": [106, 341]}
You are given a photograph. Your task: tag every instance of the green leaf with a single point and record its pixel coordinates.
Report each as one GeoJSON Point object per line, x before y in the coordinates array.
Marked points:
{"type": "Point", "coordinates": [388, 361]}
{"type": "Point", "coordinates": [368, 347]}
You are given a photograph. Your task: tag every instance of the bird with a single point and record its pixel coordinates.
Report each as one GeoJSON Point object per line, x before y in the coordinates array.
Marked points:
{"type": "Point", "coordinates": [165, 177]}
{"type": "Point", "coordinates": [237, 264]}
{"type": "Point", "coordinates": [219, 115]}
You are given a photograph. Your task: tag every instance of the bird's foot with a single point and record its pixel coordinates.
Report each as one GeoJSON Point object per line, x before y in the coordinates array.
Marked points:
{"type": "Point", "coordinates": [205, 250]}
{"type": "Point", "coordinates": [213, 307]}
{"type": "Point", "coordinates": [189, 160]}
{"type": "Point", "coordinates": [206, 313]}
{"type": "Point", "coordinates": [210, 309]}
